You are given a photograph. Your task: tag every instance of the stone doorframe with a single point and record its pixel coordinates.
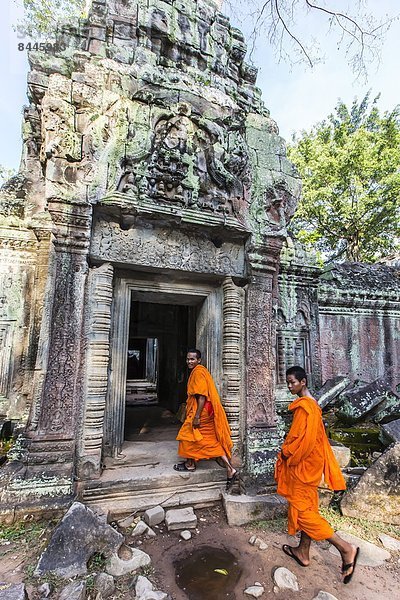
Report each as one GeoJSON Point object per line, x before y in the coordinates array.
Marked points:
{"type": "Point", "coordinates": [104, 401]}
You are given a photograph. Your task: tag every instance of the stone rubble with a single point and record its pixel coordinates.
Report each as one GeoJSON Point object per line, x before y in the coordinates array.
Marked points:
{"type": "Point", "coordinates": [126, 521]}
{"type": "Point", "coordinates": [104, 584]}
{"type": "Point", "coordinates": [144, 590]}
{"type": "Point", "coordinates": [13, 592]}
{"type": "Point", "coordinates": [154, 516]}
{"type": "Point", "coordinates": [181, 518]}
{"type": "Point", "coordinates": [185, 535]}
{"type": "Point", "coordinates": [140, 529]}
{"type": "Point", "coordinates": [258, 543]}
{"type": "Point", "coordinates": [376, 495]}
{"type": "Point", "coordinates": [324, 596]}
{"type": "Point", "coordinates": [78, 536]}
{"type": "Point", "coordinates": [117, 566]}
{"type": "Point", "coordinates": [73, 591]}
{"type": "Point", "coordinates": [390, 542]}
{"type": "Point", "coordinates": [328, 394]}
{"type": "Point", "coordinates": [255, 591]}
{"type": "Point", "coordinates": [44, 590]}
{"type": "Point", "coordinates": [285, 579]}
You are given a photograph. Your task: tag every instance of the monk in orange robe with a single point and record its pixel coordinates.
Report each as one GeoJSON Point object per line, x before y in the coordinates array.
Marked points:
{"type": "Point", "coordinates": [305, 456]}
{"type": "Point", "coordinates": [205, 432]}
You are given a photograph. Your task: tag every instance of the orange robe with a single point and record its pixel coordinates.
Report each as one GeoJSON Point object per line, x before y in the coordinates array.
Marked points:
{"type": "Point", "coordinates": [309, 456]}
{"type": "Point", "coordinates": [213, 438]}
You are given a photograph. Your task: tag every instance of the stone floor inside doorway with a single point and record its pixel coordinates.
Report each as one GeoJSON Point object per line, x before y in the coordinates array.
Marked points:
{"type": "Point", "coordinates": [150, 447]}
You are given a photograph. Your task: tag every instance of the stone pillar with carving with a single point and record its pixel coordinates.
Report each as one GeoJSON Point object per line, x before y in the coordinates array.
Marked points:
{"type": "Point", "coordinates": [97, 334]}
{"type": "Point", "coordinates": [47, 450]}
{"type": "Point", "coordinates": [232, 358]}
{"type": "Point", "coordinates": [262, 439]}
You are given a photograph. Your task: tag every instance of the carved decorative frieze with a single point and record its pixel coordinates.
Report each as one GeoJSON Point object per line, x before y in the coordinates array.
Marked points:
{"type": "Point", "coordinates": [165, 248]}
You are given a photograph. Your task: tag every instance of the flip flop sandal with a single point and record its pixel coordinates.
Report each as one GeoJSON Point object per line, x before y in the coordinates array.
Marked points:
{"type": "Point", "coordinates": [289, 551]}
{"type": "Point", "coordinates": [182, 467]}
{"type": "Point", "coordinates": [345, 568]}
{"type": "Point", "coordinates": [231, 480]}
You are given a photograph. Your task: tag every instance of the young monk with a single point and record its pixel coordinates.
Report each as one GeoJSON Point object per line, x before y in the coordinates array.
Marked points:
{"type": "Point", "coordinates": [205, 432]}
{"type": "Point", "coordinates": [305, 456]}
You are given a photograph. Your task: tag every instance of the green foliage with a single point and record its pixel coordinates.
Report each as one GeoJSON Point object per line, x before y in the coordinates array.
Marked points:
{"type": "Point", "coordinates": [22, 532]}
{"type": "Point", "coordinates": [5, 174]}
{"type": "Point", "coordinates": [42, 17]}
{"type": "Point", "coordinates": [350, 166]}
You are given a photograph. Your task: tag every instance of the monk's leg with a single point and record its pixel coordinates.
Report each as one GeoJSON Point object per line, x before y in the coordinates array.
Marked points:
{"type": "Point", "coordinates": [230, 471]}
{"type": "Point", "coordinates": [347, 551]}
{"type": "Point", "coordinates": [302, 551]}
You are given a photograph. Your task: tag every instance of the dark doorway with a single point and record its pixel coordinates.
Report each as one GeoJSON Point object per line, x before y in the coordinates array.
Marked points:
{"type": "Point", "coordinates": [159, 336]}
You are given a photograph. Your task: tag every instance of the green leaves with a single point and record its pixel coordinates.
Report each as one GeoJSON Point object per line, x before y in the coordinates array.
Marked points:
{"type": "Point", "coordinates": [350, 166]}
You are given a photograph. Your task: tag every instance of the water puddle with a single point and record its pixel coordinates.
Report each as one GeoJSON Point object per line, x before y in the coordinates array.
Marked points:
{"type": "Point", "coordinates": [208, 572]}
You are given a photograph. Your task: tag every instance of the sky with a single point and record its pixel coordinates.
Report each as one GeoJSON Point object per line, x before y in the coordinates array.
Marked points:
{"type": "Point", "coordinates": [297, 96]}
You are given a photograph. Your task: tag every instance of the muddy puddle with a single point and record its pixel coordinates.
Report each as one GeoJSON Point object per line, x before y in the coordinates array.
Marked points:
{"type": "Point", "coordinates": [208, 572]}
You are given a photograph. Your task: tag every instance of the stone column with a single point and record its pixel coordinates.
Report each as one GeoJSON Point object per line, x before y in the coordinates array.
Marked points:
{"type": "Point", "coordinates": [97, 356]}
{"type": "Point", "coordinates": [232, 358]}
{"type": "Point", "coordinates": [262, 440]}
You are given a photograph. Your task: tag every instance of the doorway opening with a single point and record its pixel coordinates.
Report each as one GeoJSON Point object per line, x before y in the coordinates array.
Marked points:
{"type": "Point", "coordinates": [159, 336]}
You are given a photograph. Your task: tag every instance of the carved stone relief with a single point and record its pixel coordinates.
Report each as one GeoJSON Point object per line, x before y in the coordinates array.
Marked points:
{"type": "Point", "coordinates": [232, 358]}
{"type": "Point", "coordinates": [260, 406]}
{"type": "Point", "coordinates": [99, 298]}
{"type": "Point", "coordinates": [165, 248]}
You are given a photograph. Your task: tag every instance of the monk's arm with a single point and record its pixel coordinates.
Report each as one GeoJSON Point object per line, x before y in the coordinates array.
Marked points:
{"type": "Point", "coordinates": [201, 400]}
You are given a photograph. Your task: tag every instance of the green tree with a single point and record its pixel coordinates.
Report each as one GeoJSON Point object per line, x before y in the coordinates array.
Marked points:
{"type": "Point", "coordinates": [350, 166]}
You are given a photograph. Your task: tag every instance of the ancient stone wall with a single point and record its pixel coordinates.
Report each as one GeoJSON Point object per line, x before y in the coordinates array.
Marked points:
{"type": "Point", "coordinates": [341, 320]}
{"type": "Point", "coordinates": [359, 321]}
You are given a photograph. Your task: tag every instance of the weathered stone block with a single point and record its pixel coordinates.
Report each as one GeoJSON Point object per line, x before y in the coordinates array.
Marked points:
{"type": "Point", "coordinates": [245, 509]}
{"type": "Point", "coordinates": [73, 591]}
{"type": "Point", "coordinates": [376, 495]}
{"type": "Point", "coordinates": [104, 584]}
{"type": "Point", "coordinates": [117, 567]}
{"type": "Point", "coordinates": [357, 404]}
{"type": "Point", "coordinates": [392, 430]}
{"type": "Point", "coordinates": [78, 536]}
{"type": "Point", "coordinates": [285, 579]}
{"type": "Point", "coordinates": [154, 516]}
{"type": "Point", "coordinates": [181, 518]}
{"type": "Point", "coordinates": [388, 409]}
{"type": "Point", "coordinates": [342, 453]}
{"type": "Point", "coordinates": [11, 591]}
{"type": "Point", "coordinates": [329, 392]}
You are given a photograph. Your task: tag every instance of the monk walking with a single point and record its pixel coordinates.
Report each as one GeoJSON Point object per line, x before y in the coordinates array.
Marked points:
{"type": "Point", "coordinates": [305, 456]}
{"type": "Point", "coordinates": [205, 432]}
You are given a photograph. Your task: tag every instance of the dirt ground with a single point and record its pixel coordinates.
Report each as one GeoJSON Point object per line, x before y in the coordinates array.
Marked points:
{"type": "Point", "coordinates": [18, 557]}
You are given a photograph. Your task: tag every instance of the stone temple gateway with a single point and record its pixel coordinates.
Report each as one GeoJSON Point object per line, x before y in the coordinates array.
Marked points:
{"type": "Point", "coordinates": [149, 215]}
{"type": "Point", "coordinates": [158, 193]}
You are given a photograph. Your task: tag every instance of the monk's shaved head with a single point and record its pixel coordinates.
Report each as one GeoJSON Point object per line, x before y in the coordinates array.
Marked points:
{"type": "Point", "coordinates": [194, 351]}
{"type": "Point", "coordinates": [298, 372]}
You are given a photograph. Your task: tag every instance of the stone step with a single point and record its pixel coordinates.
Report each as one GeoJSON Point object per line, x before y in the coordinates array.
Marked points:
{"type": "Point", "coordinates": [121, 497]}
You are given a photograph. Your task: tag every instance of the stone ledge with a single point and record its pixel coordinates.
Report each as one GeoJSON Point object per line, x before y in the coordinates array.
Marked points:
{"type": "Point", "coordinates": [243, 509]}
